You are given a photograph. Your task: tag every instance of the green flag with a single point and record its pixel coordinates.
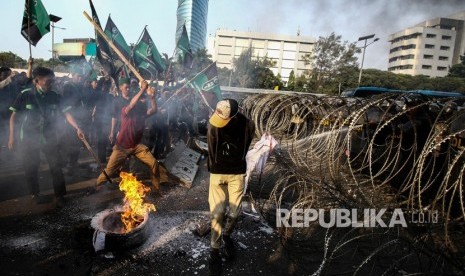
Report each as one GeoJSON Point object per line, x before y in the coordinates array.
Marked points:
{"type": "Point", "coordinates": [146, 56]}
{"type": "Point", "coordinates": [184, 48]}
{"type": "Point", "coordinates": [103, 52]}
{"type": "Point", "coordinates": [117, 38]}
{"type": "Point", "coordinates": [36, 21]}
{"type": "Point", "coordinates": [206, 83]}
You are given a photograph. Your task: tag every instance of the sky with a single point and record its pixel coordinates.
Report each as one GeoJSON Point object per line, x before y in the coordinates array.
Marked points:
{"type": "Point", "coordinates": [314, 18]}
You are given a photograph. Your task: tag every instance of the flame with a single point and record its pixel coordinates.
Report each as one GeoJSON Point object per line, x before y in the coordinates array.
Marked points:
{"type": "Point", "coordinates": [134, 209]}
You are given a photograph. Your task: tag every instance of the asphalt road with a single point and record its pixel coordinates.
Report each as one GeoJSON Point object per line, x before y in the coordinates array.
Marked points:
{"type": "Point", "coordinates": [12, 179]}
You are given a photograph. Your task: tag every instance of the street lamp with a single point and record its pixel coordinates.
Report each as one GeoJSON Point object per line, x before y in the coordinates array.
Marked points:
{"type": "Point", "coordinates": [53, 20]}
{"type": "Point", "coordinates": [363, 55]}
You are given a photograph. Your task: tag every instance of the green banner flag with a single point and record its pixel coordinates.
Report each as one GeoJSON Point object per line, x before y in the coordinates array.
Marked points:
{"type": "Point", "coordinates": [117, 38]}
{"type": "Point", "coordinates": [184, 48]}
{"type": "Point", "coordinates": [36, 21]}
{"type": "Point", "coordinates": [146, 56]}
{"type": "Point", "coordinates": [207, 83]}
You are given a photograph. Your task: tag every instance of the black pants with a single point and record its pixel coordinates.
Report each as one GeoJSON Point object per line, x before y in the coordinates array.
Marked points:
{"type": "Point", "coordinates": [4, 128]}
{"type": "Point", "coordinates": [159, 139]}
{"type": "Point", "coordinates": [72, 145]}
{"type": "Point", "coordinates": [31, 162]}
{"type": "Point", "coordinates": [102, 130]}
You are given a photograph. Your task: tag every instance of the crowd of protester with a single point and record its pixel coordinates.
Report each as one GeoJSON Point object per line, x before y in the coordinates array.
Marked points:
{"type": "Point", "coordinates": [94, 104]}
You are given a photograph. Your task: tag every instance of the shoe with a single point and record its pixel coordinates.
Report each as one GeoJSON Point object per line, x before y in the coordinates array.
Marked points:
{"type": "Point", "coordinates": [157, 193]}
{"type": "Point", "coordinates": [214, 264]}
{"type": "Point", "coordinates": [40, 199]}
{"type": "Point", "coordinates": [68, 171]}
{"type": "Point", "coordinates": [229, 247]}
{"type": "Point", "coordinates": [60, 202]}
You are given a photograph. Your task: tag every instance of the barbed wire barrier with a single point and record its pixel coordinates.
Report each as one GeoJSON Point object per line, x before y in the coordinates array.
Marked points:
{"type": "Point", "coordinates": [386, 152]}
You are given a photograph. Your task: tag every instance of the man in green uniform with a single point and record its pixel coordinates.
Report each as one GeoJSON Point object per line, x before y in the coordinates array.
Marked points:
{"type": "Point", "coordinates": [39, 107]}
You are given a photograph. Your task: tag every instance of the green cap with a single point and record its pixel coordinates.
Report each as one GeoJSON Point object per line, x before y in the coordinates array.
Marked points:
{"type": "Point", "coordinates": [93, 76]}
{"type": "Point", "coordinates": [76, 69]}
{"type": "Point", "coordinates": [123, 81]}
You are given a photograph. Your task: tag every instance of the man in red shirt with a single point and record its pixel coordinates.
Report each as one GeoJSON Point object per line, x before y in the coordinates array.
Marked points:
{"type": "Point", "coordinates": [132, 116]}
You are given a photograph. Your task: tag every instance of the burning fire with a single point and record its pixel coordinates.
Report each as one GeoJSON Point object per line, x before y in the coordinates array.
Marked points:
{"type": "Point", "coordinates": [134, 208]}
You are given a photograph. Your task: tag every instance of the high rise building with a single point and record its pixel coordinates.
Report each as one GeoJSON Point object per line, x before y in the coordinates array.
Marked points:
{"type": "Point", "coordinates": [287, 51]}
{"type": "Point", "coordinates": [194, 14]}
{"type": "Point", "coordinates": [428, 48]}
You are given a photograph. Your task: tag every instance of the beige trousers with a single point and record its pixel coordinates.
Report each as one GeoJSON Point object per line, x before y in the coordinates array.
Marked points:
{"type": "Point", "coordinates": [141, 152]}
{"type": "Point", "coordinates": [224, 189]}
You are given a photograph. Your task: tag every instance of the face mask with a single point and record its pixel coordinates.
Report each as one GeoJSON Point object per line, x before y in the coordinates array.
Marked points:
{"type": "Point", "coordinates": [40, 89]}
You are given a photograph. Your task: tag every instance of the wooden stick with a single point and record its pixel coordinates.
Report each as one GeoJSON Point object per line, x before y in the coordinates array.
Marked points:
{"type": "Point", "coordinates": [28, 27]}
{"type": "Point", "coordinates": [118, 52]}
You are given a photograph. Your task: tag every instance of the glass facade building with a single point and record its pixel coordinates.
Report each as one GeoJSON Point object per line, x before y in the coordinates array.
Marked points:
{"type": "Point", "coordinates": [194, 14]}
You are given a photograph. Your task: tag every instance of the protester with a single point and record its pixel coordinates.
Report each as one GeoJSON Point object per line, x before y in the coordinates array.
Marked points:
{"type": "Point", "coordinates": [77, 101]}
{"type": "Point", "coordinates": [134, 87]}
{"type": "Point", "coordinates": [8, 91]}
{"type": "Point", "coordinates": [133, 116]}
{"type": "Point", "coordinates": [118, 103]}
{"type": "Point", "coordinates": [90, 96]}
{"type": "Point", "coordinates": [38, 132]}
{"type": "Point", "coordinates": [159, 129]}
{"type": "Point", "coordinates": [229, 136]}
{"type": "Point", "coordinates": [102, 116]}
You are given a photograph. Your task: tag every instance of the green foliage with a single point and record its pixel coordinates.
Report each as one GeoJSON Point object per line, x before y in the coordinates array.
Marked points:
{"type": "Point", "coordinates": [457, 70]}
{"type": "Point", "coordinates": [201, 61]}
{"type": "Point", "coordinates": [333, 61]}
{"type": "Point", "coordinates": [291, 81]}
{"type": "Point", "coordinates": [224, 75]}
{"type": "Point", "coordinates": [254, 72]}
{"type": "Point", "coordinates": [373, 77]}
{"type": "Point", "coordinates": [11, 60]}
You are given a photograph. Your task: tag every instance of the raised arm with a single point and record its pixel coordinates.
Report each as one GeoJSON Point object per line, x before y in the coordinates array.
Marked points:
{"type": "Point", "coordinates": [11, 139]}
{"type": "Point", "coordinates": [143, 87]}
{"type": "Point", "coordinates": [153, 103]}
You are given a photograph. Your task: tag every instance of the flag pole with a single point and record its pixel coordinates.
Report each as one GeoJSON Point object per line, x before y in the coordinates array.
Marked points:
{"type": "Point", "coordinates": [29, 27]}
{"type": "Point", "coordinates": [138, 40]}
{"type": "Point", "coordinates": [169, 65]}
{"type": "Point", "coordinates": [179, 90]}
{"type": "Point", "coordinates": [117, 51]}
{"type": "Point", "coordinates": [172, 56]}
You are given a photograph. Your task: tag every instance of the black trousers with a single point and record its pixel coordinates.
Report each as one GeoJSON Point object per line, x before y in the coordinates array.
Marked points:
{"type": "Point", "coordinates": [159, 139]}
{"type": "Point", "coordinates": [72, 145]}
{"type": "Point", "coordinates": [31, 162]}
{"type": "Point", "coordinates": [102, 129]}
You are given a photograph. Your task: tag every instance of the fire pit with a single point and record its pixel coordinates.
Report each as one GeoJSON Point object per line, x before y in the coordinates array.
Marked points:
{"type": "Point", "coordinates": [111, 234]}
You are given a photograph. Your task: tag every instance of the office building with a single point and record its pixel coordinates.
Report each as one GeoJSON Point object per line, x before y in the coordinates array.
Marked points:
{"type": "Point", "coordinates": [287, 51]}
{"type": "Point", "coordinates": [74, 48]}
{"type": "Point", "coordinates": [428, 48]}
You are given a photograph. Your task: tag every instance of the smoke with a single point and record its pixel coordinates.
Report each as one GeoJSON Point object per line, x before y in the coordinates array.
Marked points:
{"type": "Point", "coordinates": [350, 19]}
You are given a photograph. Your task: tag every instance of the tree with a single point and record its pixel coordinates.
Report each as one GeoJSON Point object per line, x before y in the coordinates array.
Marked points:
{"type": "Point", "coordinates": [457, 70]}
{"type": "Point", "coordinates": [301, 84]}
{"type": "Point", "coordinates": [202, 59]}
{"type": "Point", "coordinates": [224, 76]}
{"type": "Point", "coordinates": [291, 81]}
{"type": "Point", "coordinates": [330, 58]}
{"type": "Point", "coordinates": [11, 60]}
{"type": "Point", "coordinates": [254, 72]}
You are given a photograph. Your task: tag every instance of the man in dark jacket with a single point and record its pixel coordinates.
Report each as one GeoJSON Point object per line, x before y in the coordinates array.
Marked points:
{"type": "Point", "coordinates": [39, 110]}
{"type": "Point", "coordinates": [229, 136]}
